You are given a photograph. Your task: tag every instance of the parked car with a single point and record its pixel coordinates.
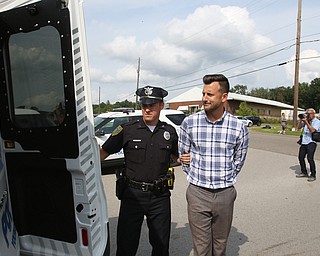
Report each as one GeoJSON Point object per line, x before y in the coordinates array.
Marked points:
{"type": "Point", "coordinates": [255, 120]}
{"type": "Point", "coordinates": [245, 121]}
{"type": "Point", "coordinates": [105, 124]}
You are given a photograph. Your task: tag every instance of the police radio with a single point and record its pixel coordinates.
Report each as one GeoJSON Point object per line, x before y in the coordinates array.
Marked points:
{"type": "Point", "coordinates": [170, 178]}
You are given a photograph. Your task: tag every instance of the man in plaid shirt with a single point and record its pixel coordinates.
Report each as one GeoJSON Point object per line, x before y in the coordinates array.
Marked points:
{"type": "Point", "coordinates": [213, 145]}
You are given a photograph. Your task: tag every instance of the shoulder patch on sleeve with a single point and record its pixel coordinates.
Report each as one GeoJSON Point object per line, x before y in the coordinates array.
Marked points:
{"type": "Point", "coordinates": [117, 131]}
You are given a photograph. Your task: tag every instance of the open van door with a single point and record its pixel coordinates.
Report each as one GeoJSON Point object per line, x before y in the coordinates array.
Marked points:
{"type": "Point", "coordinates": [51, 173]}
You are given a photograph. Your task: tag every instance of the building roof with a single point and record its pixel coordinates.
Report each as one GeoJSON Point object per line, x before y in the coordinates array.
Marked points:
{"type": "Point", "coordinates": [195, 94]}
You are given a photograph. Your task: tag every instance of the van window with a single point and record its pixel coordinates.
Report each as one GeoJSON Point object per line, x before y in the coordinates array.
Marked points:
{"type": "Point", "coordinates": [37, 78]}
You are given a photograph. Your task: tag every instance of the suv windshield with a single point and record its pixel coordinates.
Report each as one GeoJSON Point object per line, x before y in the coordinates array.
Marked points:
{"type": "Point", "coordinates": [107, 125]}
{"type": "Point", "coordinates": [98, 122]}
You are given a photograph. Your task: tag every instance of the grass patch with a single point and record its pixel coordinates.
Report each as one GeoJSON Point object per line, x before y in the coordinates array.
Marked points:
{"type": "Point", "coordinates": [275, 129]}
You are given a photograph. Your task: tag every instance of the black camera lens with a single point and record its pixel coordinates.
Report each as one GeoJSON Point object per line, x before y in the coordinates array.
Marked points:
{"type": "Point", "coordinates": [301, 116]}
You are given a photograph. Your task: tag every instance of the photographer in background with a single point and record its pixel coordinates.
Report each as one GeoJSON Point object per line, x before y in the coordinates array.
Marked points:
{"type": "Point", "coordinates": [283, 123]}
{"type": "Point", "coordinates": [308, 147]}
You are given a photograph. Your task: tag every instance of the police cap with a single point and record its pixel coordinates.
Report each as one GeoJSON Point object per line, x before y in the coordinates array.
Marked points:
{"type": "Point", "coordinates": [150, 94]}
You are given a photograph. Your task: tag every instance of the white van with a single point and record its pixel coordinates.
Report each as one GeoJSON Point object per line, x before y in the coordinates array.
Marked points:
{"type": "Point", "coordinates": [105, 123]}
{"type": "Point", "coordinates": [9, 246]}
{"type": "Point", "coordinates": [52, 200]}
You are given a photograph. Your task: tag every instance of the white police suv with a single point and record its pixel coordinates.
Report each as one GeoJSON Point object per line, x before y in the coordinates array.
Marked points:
{"type": "Point", "coordinates": [105, 123]}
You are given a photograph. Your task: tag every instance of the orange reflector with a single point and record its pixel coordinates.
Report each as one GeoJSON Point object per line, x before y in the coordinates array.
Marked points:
{"type": "Point", "coordinates": [9, 144]}
{"type": "Point", "coordinates": [85, 240]}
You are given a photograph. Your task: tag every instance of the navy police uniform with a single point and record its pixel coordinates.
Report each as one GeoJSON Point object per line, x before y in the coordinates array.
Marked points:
{"type": "Point", "coordinates": [147, 158]}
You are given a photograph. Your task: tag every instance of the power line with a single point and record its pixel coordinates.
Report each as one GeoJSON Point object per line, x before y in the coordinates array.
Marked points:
{"type": "Point", "coordinates": [250, 61]}
{"type": "Point", "coordinates": [245, 73]}
{"type": "Point", "coordinates": [240, 57]}
{"type": "Point", "coordinates": [174, 87]}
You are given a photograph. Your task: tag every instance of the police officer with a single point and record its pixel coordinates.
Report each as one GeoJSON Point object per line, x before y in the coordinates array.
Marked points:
{"type": "Point", "coordinates": [148, 146]}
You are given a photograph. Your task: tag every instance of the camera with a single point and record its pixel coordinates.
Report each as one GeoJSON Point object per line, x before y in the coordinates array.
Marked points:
{"type": "Point", "coordinates": [301, 116]}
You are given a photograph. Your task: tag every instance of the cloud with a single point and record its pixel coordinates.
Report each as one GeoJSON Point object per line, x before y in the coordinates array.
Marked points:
{"type": "Point", "coordinates": [219, 33]}
{"type": "Point", "coordinates": [179, 46]}
{"type": "Point", "coordinates": [201, 28]}
{"type": "Point", "coordinates": [122, 48]}
{"type": "Point", "coordinates": [158, 58]}
{"type": "Point", "coordinates": [99, 76]}
{"type": "Point", "coordinates": [209, 35]}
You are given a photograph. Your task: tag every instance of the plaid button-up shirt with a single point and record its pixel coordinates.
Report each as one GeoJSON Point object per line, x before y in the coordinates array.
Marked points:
{"type": "Point", "coordinates": [217, 149]}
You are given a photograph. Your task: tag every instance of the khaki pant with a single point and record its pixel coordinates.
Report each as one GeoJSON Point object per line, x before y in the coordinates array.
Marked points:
{"type": "Point", "coordinates": [210, 214]}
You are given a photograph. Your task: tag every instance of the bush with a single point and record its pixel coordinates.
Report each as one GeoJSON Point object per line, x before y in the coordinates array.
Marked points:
{"type": "Point", "coordinates": [245, 111]}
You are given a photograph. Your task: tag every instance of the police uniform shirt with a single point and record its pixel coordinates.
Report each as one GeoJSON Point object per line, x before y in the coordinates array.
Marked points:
{"type": "Point", "coordinates": [147, 154]}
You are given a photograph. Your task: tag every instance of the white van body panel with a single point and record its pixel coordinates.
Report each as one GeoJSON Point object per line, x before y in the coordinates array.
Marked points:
{"type": "Point", "coordinates": [6, 5]}
{"type": "Point", "coordinates": [86, 206]}
{"type": "Point", "coordinates": [9, 242]}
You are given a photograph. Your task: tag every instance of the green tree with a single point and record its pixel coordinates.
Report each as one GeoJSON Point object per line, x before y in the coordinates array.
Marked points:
{"type": "Point", "coordinates": [282, 94]}
{"type": "Point", "coordinates": [239, 89]}
{"type": "Point", "coordinates": [309, 94]}
{"type": "Point", "coordinates": [123, 104]}
{"type": "Point", "coordinates": [106, 107]}
{"type": "Point", "coordinates": [260, 93]}
{"type": "Point", "coordinates": [244, 110]}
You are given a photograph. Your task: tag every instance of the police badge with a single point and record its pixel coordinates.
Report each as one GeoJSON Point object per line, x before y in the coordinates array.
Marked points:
{"type": "Point", "coordinates": [148, 91]}
{"type": "Point", "coordinates": [166, 135]}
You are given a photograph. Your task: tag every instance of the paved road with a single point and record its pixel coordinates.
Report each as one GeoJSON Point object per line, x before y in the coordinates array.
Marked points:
{"type": "Point", "coordinates": [278, 143]}
{"type": "Point", "coordinates": [275, 213]}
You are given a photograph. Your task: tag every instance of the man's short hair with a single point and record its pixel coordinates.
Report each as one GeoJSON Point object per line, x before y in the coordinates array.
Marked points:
{"type": "Point", "coordinates": [223, 81]}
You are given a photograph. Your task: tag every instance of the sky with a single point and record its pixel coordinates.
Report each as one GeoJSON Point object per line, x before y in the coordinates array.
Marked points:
{"type": "Point", "coordinates": [251, 42]}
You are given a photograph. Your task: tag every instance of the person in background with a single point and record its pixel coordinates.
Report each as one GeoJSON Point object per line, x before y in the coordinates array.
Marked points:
{"type": "Point", "coordinates": [148, 145]}
{"type": "Point", "coordinates": [309, 123]}
{"type": "Point", "coordinates": [283, 122]}
{"type": "Point", "coordinates": [216, 143]}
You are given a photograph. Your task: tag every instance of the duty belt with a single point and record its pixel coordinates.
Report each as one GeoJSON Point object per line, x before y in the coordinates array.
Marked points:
{"type": "Point", "coordinates": [144, 186]}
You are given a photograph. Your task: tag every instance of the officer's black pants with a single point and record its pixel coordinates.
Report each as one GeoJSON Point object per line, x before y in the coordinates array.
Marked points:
{"type": "Point", "coordinates": [309, 151]}
{"type": "Point", "coordinates": [134, 206]}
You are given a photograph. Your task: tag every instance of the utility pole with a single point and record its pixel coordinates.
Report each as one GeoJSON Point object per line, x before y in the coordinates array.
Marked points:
{"type": "Point", "coordinates": [99, 102]}
{"type": "Point", "coordinates": [296, 73]}
{"type": "Point", "coordinates": [138, 77]}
